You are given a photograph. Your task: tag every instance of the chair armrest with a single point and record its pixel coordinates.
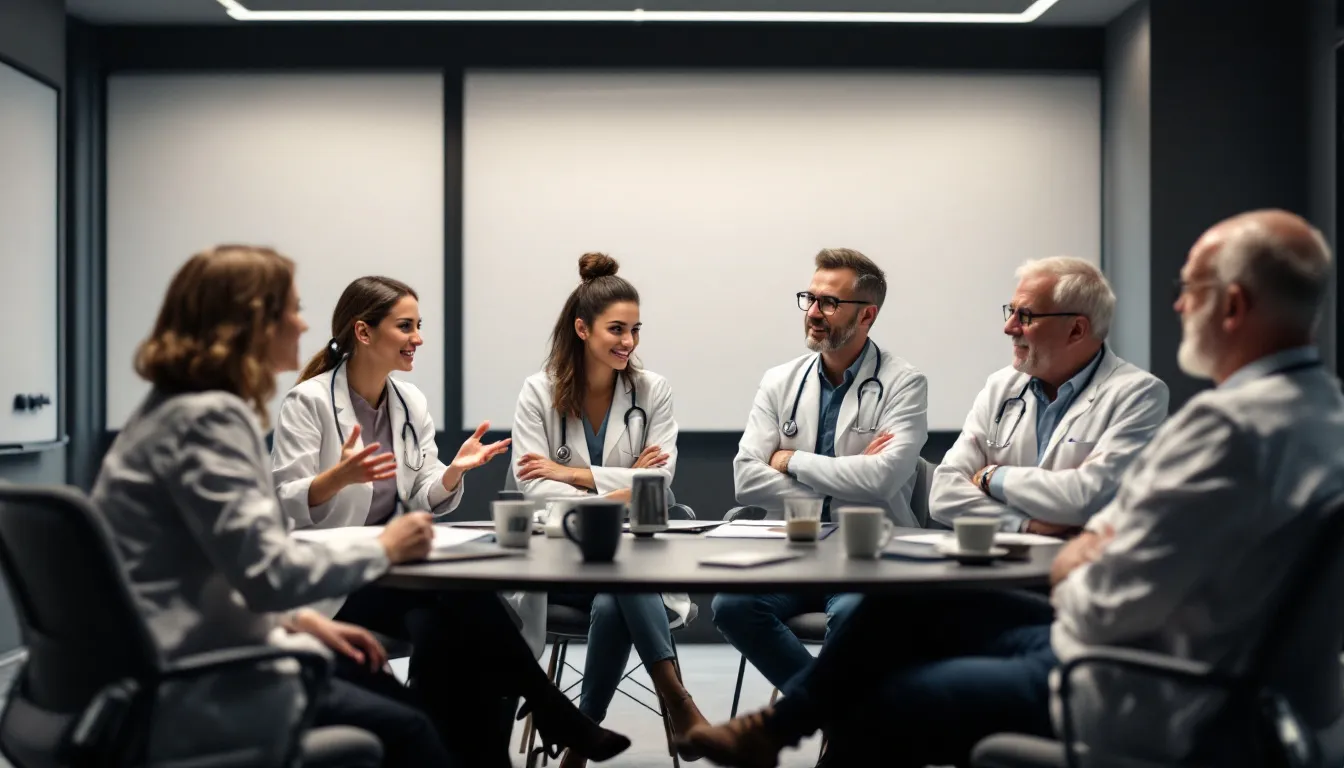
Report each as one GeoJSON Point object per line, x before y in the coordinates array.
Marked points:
{"type": "Point", "coordinates": [748, 512]}
{"type": "Point", "coordinates": [1132, 660]}
{"type": "Point", "coordinates": [680, 512]}
{"type": "Point", "coordinates": [313, 663]}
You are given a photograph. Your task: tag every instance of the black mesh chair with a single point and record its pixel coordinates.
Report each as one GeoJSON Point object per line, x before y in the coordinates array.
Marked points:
{"type": "Point", "coordinates": [565, 624]}
{"type": "Point", "coordinates": [1278, 711]}
{"type": "Point", "coordinates": [90, 689]}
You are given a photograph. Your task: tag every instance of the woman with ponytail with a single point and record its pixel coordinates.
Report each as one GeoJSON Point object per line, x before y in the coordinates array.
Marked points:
{"type": "Point", "coordinates": [355, 446]}
{"type": "Point", "coordinates": [586, 425]}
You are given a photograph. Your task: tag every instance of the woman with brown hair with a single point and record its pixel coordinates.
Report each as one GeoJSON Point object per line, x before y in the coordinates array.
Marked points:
{"type": "Point", "coordinates": [585, 425]}
{"type": "Point", "coordinates": [187, 495]}
{"type": "Point", "coordinates": [354, 446]}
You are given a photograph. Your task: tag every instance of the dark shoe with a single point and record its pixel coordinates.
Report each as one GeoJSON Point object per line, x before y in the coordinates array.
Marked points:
{"type": "Point", "coordinates": [562, 726]}
{"type": "Point", "coordinates": [743, 742]}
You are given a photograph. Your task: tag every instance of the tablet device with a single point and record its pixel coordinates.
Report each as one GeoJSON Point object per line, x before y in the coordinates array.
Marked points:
{"type": "Point", "coordinates": [748, 559]}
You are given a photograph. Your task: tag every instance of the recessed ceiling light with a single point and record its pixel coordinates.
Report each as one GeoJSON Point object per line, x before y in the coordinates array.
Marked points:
{"type": "Point", "coordinates": [236, 10]}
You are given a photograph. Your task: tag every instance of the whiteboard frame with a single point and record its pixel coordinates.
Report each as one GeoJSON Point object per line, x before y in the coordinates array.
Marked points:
{"type": "Point", "coordinates": [62, 436]}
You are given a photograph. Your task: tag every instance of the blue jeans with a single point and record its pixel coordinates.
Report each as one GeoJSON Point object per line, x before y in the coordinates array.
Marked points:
{"type": "Point", "coordinates": [754, 624]}
{"type": "Point", "coordinates": [979, 664]}
{"type": "Point", "coordinates": [615, 623]}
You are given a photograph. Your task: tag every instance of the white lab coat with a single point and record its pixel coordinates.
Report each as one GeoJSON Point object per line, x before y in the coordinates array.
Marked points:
{"type": "Point", "coordinates": [536, 429]}
{"type": "Point", "coordinates": [1100, 434]}
{"type": "Point", "coordinates": [1210, 523]}
{"type": "Point", "coordinates": [307, 443]}
{"type": "Point", "coordinates": [885, 480]}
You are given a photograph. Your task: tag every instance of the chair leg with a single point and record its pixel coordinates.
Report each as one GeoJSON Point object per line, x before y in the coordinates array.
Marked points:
{"type": "Point", "coordinates": [774, 694]}
{"type": "Point", "coordinates": [737, 692]}
{"type": "Point", "coordinates": [667, 721]}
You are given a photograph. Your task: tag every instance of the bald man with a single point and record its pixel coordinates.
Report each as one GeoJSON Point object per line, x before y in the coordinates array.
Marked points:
{"type": "Point", "coordinates": [1187, 560]}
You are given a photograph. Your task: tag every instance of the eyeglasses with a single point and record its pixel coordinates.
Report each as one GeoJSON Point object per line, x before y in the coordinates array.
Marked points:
{"type": "Point", "coordinates": [828, 304]}
{"type": "Point", "coordinates": [1181, 287]}
{"type": "Point", "coordinates": [1025, 316]}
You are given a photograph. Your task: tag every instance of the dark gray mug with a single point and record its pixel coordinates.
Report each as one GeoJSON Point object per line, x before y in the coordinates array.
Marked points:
{"type": "Point", "coordinates": [597, 529]}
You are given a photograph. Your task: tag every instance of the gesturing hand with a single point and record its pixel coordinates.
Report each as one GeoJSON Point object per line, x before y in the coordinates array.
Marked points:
{"type": "Point", "coordinates": [651, 458]}
{"type": "Point", "coordinates": [362, 466]}
{"type": "Point", "coordinates": [474, 453]}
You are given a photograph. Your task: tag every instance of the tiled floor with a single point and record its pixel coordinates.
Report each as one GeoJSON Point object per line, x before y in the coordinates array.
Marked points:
{"type": "Point", "coordinates": [709, 672]}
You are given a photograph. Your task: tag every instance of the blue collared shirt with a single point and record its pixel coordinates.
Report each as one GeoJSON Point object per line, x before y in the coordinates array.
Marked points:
{"type": "Point", "coordinates": [1270, 364]}
{"type": "Point", "coordinates": [596, 440]}
{"type": "Point", "coordinates": [1048, 416]}
{"type": "Point", "coordinates": [832, 397]}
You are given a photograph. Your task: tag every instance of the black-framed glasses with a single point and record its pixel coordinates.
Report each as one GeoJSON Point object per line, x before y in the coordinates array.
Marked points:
{"type": "Point", "coordinates": [1180, 287]}
{"type": "Point", "coordinates": [1025, 316]}
{"type": "Point", "coordinates": [827, 304]}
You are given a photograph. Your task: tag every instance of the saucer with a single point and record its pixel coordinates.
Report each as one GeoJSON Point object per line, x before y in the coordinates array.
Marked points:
{"type": "Point", "coordinates": [949, 549]}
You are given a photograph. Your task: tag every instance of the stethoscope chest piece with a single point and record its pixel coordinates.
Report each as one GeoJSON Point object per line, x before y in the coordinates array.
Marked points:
{"type": "Point", "coordinates": [790, 428]}
{"type": "Point", "coordinates": [562, 454]}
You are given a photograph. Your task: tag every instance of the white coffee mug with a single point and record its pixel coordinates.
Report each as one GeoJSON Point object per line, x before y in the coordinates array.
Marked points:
{"type": "Point", "coordinates": [865, 531]}
{"type": "Point", "coordinates": [555, 515]}
{"type": "Point", "coordinates": [513, 523]}
{"type": "Point", "coordinates": [975, 534]}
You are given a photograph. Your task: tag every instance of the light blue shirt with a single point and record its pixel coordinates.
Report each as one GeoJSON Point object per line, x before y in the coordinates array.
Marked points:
{"type": "Point", "coordinates": [1048, 416]}
{"type": "Point", "coordinates": [596, 440]}
{"type": "Point", "coordinates": [832, 397]}
{"type": "Point", "coordinates": [1270, 364]}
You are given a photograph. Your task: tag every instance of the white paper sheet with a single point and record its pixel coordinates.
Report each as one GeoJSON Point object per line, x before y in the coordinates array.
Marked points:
{"type": "Point", "coordinates": [1034, 539]}
{"type": "Point", "coordinates": [773, 530]}
{"type": "Point", "coordinates": [444, 536]}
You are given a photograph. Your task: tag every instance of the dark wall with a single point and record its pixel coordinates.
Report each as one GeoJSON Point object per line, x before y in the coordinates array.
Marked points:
{"type": "Point", "coordinates": [1235, 107]}
{"type": "Point", "coordinates": [32, 37]}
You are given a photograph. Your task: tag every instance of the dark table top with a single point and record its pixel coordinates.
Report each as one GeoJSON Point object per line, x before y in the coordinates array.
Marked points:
{"type": "Point", "coordinates": [669, 562]}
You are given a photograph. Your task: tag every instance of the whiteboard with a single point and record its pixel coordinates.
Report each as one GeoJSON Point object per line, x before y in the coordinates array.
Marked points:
{"type": "Point", "coordinates": [29, 255]}
{"type": "Point", "coordinates": [341, 172]}
{"type": "Point", "coordinates": [715, 190]}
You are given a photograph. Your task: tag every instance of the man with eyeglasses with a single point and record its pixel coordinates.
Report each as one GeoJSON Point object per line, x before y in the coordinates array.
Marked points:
{"type": "Point", "coordinates": [1180, 577]}
{"type": "Point", "coordinates": [844, 422]}
{"type": "Point", "coordinates": [1048, 437]}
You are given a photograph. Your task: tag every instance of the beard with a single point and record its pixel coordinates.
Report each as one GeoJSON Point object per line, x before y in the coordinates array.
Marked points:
{"type": "Point", "coordinates": [836, 338]}
{"type": "Point", "coordinates": [1195, 357]}
{"type": "Point", "coordinates": [1033, 362]}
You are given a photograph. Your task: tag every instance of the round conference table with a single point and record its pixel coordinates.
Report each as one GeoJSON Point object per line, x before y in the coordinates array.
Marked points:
{"type": "Point", "coordinates": [670, 562]}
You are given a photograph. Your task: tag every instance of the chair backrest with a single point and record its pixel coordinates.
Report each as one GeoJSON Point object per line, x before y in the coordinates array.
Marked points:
{"type": "Point", "coordinates": [919, 497]}
{"type": "Point", "coordinates": [1298, 657]}
{"type": "Point", "coordinates": [79, 623]}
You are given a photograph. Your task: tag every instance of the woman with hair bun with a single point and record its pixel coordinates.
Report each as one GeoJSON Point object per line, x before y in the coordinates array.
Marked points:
{"type": "Point", "coordinates": [585, 425]}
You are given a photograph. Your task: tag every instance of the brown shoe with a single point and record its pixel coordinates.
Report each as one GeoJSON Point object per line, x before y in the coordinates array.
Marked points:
{"type": "Point", "coordinates": [743, 742]}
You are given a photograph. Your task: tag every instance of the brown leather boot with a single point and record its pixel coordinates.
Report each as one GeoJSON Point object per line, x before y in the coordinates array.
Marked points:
{"type": "Point", "coordinates": [743, 742]}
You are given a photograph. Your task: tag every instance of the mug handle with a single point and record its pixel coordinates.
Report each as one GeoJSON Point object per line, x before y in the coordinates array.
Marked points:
{"type": "Point", "coordinates": [564, 526]}
{"type": "Point", "coordinates": [888, 530]}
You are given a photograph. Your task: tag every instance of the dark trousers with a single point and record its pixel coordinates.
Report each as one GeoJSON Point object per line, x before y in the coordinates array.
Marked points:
{"type": "Point", "coordinates": [926, 677]}
{"type": "Point", "coordinates": [381, 707]}
{"type": "Point", "coordinates": [468, 666]}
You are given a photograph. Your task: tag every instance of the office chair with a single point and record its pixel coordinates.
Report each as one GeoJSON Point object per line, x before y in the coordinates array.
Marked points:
{"type": "Point", "coordinates": [94, 688]}
{"type": "Point", "coordinates": [1277, 712]}
{"type": "Point", "coordinates": [565, 624]}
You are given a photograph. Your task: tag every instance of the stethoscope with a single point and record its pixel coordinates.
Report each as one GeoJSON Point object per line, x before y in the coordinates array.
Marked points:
{"type": "Point", "coordinates": [633, 414]}
{"type": "Point", "coordinates": [870, 386]}
{"type": "Point", "coordinates": [1021, 400]}
{"type": "Point", "coordinates": [406, 450]}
